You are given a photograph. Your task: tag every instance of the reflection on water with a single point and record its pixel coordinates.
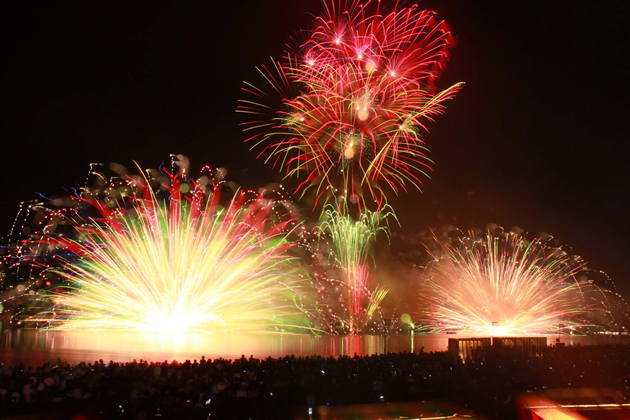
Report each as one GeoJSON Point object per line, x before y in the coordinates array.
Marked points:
{"type": "Point", "coordinates": [37, 347]}
{"type": "Point", "coordinates": [73, 346]}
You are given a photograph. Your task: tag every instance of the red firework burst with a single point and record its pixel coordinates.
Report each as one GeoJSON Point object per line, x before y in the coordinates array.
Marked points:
{"type": "Point", "coordinates": [363, 92]}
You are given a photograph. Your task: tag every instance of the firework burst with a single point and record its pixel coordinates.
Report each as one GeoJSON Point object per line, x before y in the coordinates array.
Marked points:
{"type": "Point", "coordinates": [185, 264]}
{"type": "Point", "coordinates": [501, 285]}
{"type": "Point", "coordinates": [351, 245]}
{"type": "Point", "coordinates": [363, 85]}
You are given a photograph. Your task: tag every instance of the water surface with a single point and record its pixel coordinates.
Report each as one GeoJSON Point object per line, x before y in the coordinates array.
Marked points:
{"type": "Point", "coordinates": [37, 347]}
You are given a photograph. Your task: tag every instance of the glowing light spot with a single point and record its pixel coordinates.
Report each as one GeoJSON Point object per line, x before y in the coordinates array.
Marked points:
{"type": "Point", "coordinates": [175, 323]}
{"type": "Point", "coordinates": [498, 330]}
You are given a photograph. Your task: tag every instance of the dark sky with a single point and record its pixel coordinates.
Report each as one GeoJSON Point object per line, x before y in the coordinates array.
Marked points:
{"type": "Point", "coordinates": [538, 137]}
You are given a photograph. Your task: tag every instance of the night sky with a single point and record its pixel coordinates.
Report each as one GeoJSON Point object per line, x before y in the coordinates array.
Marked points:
{"type": "Point", "coordinates": [538, 137]}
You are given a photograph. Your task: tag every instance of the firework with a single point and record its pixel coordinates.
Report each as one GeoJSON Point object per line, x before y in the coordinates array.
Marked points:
{"type": "Point", "coordinates": [351, 244]}
{"type": "Point", "coordinates": [501, 285]}
{"type": "Point", "coordinates": [357, 98]}
{"type": "Point", "coordinates": [183, 264]}
{"type": "Point", "coordinates": [607, 308]}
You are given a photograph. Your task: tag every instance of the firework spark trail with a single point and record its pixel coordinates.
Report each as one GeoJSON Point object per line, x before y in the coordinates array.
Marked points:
{"type": "Point", "coordinates": [525, 287]}
{"type": "Point", "coordinates": [179, 267]}
{"type": "Point", "coordinates": [362, 100]}
{"type": "Point", "coordinates": [352, 240]}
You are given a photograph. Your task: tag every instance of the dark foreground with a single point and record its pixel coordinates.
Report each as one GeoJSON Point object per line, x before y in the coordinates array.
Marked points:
{"type": "Point", "coordinates": [287, 387]}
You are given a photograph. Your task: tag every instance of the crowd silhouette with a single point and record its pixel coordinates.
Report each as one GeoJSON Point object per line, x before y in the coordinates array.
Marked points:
{"type": "Point", "coordinates": [287, 387]}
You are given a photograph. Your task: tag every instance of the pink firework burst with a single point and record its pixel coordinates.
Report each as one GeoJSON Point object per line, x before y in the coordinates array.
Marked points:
{"type": "Point", "coordinates": [358, 90]}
